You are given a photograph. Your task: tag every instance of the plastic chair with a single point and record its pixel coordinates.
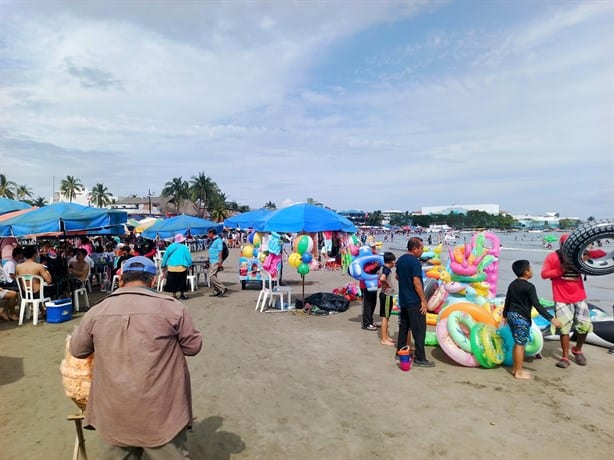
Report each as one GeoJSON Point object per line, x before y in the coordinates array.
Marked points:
{"type": "Point", "coordinates": [270, 290]}
{"type": "Point", "coordinates": [28, 297]}
{"type": "Point", "coordinates": [193, 282]}
{"type": "Point", "coordinates": [82, 291]}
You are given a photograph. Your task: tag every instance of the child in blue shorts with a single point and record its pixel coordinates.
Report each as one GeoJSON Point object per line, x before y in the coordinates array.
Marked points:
{"type": "Point", "coordinates": [520, 298]}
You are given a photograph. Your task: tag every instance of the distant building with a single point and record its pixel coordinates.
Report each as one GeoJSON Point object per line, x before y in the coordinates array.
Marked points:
{"type": "Point", "coordinates": [388, 213]}
{"type": "Point", "coordinates": [548, 220]}
{"type": "Point", "coordinates": [354, 216]}
{"type": "Point", "coordinates": [461, 209]}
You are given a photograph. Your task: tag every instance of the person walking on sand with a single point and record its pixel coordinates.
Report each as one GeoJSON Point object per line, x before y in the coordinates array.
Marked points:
{"type": "Point", "coordinates": [385, 297]}
{"type": "Point", "coordinates": [520, 298]}
{"type": "Point", "coordinates": [177, 260]}
{"type": "Point", "coordinates": [412, 301]}
{"type": "Point", "coordinates": [570, 303]}
{"type": "Point", "coordinates": [140, 400]}
{"type": "Point", "coordinates": [216, 263]}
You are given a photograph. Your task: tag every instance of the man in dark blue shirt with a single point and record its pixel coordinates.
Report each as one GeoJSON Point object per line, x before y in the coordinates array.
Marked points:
{"type": "Point", "coordinates": [412, 301]}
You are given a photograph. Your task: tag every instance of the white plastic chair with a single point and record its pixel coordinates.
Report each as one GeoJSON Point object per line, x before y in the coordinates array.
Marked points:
{"type": "Point", "coordinates": [193, 283]}
{"type": "Point", "coordinates": [28, 297]}
{"type": "Point", "coordinates": [271, 290]}
{"type": "Point", "coordinates": [82, 291]}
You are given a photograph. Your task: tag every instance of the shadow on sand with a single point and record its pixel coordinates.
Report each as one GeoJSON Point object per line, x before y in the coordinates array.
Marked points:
{"type": "Point", "coordinates": [206, 441]}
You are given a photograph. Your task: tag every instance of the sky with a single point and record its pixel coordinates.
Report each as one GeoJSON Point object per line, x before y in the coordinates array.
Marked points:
{"type": "Point", "coordinates": [357, 104]}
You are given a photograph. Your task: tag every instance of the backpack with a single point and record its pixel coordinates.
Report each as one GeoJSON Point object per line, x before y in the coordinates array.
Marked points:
{"type": "Point", "coordinates": [225, 251]}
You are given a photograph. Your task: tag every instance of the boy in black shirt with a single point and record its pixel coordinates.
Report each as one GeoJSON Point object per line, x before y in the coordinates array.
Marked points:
{"type": "Point", "coordinates": [520, 298]}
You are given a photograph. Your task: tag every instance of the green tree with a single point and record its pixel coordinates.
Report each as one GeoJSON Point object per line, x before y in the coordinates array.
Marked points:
{"type": "Point", "coordinates": [23, 192]}
{"type": "Point", "coordinates": [100, 195]}
{"type": "Point", "coordinates": [70, 186]}
{"type": "Point", "coordinates": [218, 214]}
{"type": "Point", "coordinates": [202, 191]}
{"type": "Point", "coordinates": [177, 190]}
{"type": "Point", "coordinates": [270, 205]}
{"type": "Point", "coordinates": [39, 202]}
{"type": "Point", "coordinates": [7, 187]}
{"type": "Point", "coordinates": [375, 218]}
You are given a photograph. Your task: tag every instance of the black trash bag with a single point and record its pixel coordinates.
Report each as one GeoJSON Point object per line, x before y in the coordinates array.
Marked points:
{"type": "Point", "coordinates": [328, 301]}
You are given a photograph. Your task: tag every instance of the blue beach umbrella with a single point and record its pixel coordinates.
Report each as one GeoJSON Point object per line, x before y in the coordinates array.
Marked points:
{"type": "Point", "coordinates": [181, 224]}
{"type": "Point", "coordinates": [65, 218]}
{"type": "Point", "coordinates": [248, 219]}
{"type": "Point", "coordinates": [304, 217]}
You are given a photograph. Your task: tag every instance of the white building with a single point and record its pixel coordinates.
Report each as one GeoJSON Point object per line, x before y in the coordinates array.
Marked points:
{"type": "Point", "coordinates": [460, 209]}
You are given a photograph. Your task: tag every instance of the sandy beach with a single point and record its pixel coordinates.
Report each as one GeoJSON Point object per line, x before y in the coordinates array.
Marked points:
{"type": "Point", "coordinates": [287, 385]}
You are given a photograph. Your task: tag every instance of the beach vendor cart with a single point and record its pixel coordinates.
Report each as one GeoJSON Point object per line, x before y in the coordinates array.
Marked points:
{"type": "Point", "coordinates": [249, 271]}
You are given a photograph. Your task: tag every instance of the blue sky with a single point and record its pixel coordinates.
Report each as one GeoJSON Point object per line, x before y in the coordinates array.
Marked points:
{"type": "Point", "coordinates": [359, 105]}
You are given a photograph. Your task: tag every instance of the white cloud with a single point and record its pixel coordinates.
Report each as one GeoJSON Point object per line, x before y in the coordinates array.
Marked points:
{"type": "Point", "coordinates": [134, 96]}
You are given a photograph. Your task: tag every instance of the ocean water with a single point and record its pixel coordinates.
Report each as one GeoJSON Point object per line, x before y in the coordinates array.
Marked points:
{"type": "Point", "coordinates": [529, 246]}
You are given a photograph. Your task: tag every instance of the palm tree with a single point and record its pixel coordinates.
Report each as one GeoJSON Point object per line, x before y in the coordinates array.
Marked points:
{"type": "Point", "coordinates": [70, 186]}
{"type": "Point", "coordinates": [39, 202]}
{"type": "Point", "coordinates": [202, 190]}
{"type": "Point", "coordinates": [23, 192]}
{"type": "Point", "coordinates": [7, 187]}
{"type": "Point", "coordinates": [178, 190]}
{"type": "Point", "coordinates": [270, 205]}
{"type": "Point", "coordinates": [100, 195]}
{"type": "Point", "coordinates": [219, 214]}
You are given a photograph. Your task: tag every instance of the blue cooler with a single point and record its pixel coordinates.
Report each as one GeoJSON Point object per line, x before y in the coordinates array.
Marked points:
{"type": "Point", "coordinates": [59, 310]}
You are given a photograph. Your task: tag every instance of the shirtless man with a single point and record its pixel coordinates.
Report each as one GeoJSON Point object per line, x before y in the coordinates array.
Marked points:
{"type": "Point", "coordinates": [30, 267]}
{"type": "Point", "coordinates": [78, 267]}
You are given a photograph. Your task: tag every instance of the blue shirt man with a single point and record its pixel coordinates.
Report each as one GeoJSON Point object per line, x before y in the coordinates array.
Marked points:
{"type": "Point", "coordinates": [412, 301]}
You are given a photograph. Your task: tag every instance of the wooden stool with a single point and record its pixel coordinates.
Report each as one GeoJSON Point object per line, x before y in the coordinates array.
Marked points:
{"type": "Point", "coordinates": [79, 451]}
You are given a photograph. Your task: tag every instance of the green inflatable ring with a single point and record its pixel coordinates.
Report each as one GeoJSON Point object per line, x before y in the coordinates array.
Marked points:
{"type": "Point", "coordinates": [486, 345]}
{"type": "Point", "coordinates": [431, 339]}
{"type": "Point", "coordinates": [456, 319]}
{"type": "Point", "coordinates": [535, 343]}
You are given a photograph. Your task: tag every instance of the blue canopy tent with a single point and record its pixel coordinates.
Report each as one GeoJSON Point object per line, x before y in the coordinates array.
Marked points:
{"type": "Point", "coordinates": [304, 217]}
{"type": "Point", "coordinates": [248, 219]}
{"type": "Point", "coordinates": [186, 225]}
{"type": "Point", "coordinates": [61, 218]}
{"type": "Point", "coordinates": [8, 205]}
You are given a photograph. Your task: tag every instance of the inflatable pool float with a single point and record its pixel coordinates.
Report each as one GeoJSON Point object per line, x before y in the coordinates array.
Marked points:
{"type": "Point", "coordinates": [478, 313]}
{"type": "Point", "coordinates": [487, 345]}
{"type": "Point", "coordinates": [450, 348]}
{"type": "Point", "coordinates": [603, 327]}
{"type": "Point", "coordinates": [534, 345]}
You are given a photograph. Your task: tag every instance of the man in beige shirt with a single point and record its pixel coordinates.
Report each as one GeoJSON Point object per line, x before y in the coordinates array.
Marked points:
{"type": "Point", "coordinates": [140, 400]}
{"type": "Point", "coordinates": [31, 267]}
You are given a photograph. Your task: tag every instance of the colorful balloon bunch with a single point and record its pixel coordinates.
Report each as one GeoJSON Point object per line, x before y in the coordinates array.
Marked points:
{"type": "Point", "coordinates": [252, 249]}
{"type": "Point", "coordinates": [301, 257]}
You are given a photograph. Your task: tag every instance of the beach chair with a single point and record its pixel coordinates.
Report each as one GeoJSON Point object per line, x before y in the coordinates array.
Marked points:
{"type": "Point", "coordinates": [29, 298]}
{"type": "Point", "coordinates": [270, 290]}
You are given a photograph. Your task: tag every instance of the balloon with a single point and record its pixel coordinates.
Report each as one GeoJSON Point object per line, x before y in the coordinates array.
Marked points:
{"type": "Point", "coordinates": [255, 252]}
{"type": "Point", "coordinates": [353, 249]}
{"type": "Point", "coordinates": [303, 269]}
{"type": "Point", "coordinates": [257, 240]}
{"type": "Point", "coordinates": [307, 257]}
{"type": "Point", "coordinates": [304, 244]}
{"type": "Point", "coordinates": [262, 256]}
{"type": "Point", "coordinates": [248, 250]}
{"type": "Point", "coordinates": [294, 259]}
{"type": "Point", "coordinates": [250, 237]}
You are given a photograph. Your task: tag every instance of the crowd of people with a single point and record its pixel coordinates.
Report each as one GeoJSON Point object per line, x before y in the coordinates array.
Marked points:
{"type": "Point", "coordinates": [67, 265]}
